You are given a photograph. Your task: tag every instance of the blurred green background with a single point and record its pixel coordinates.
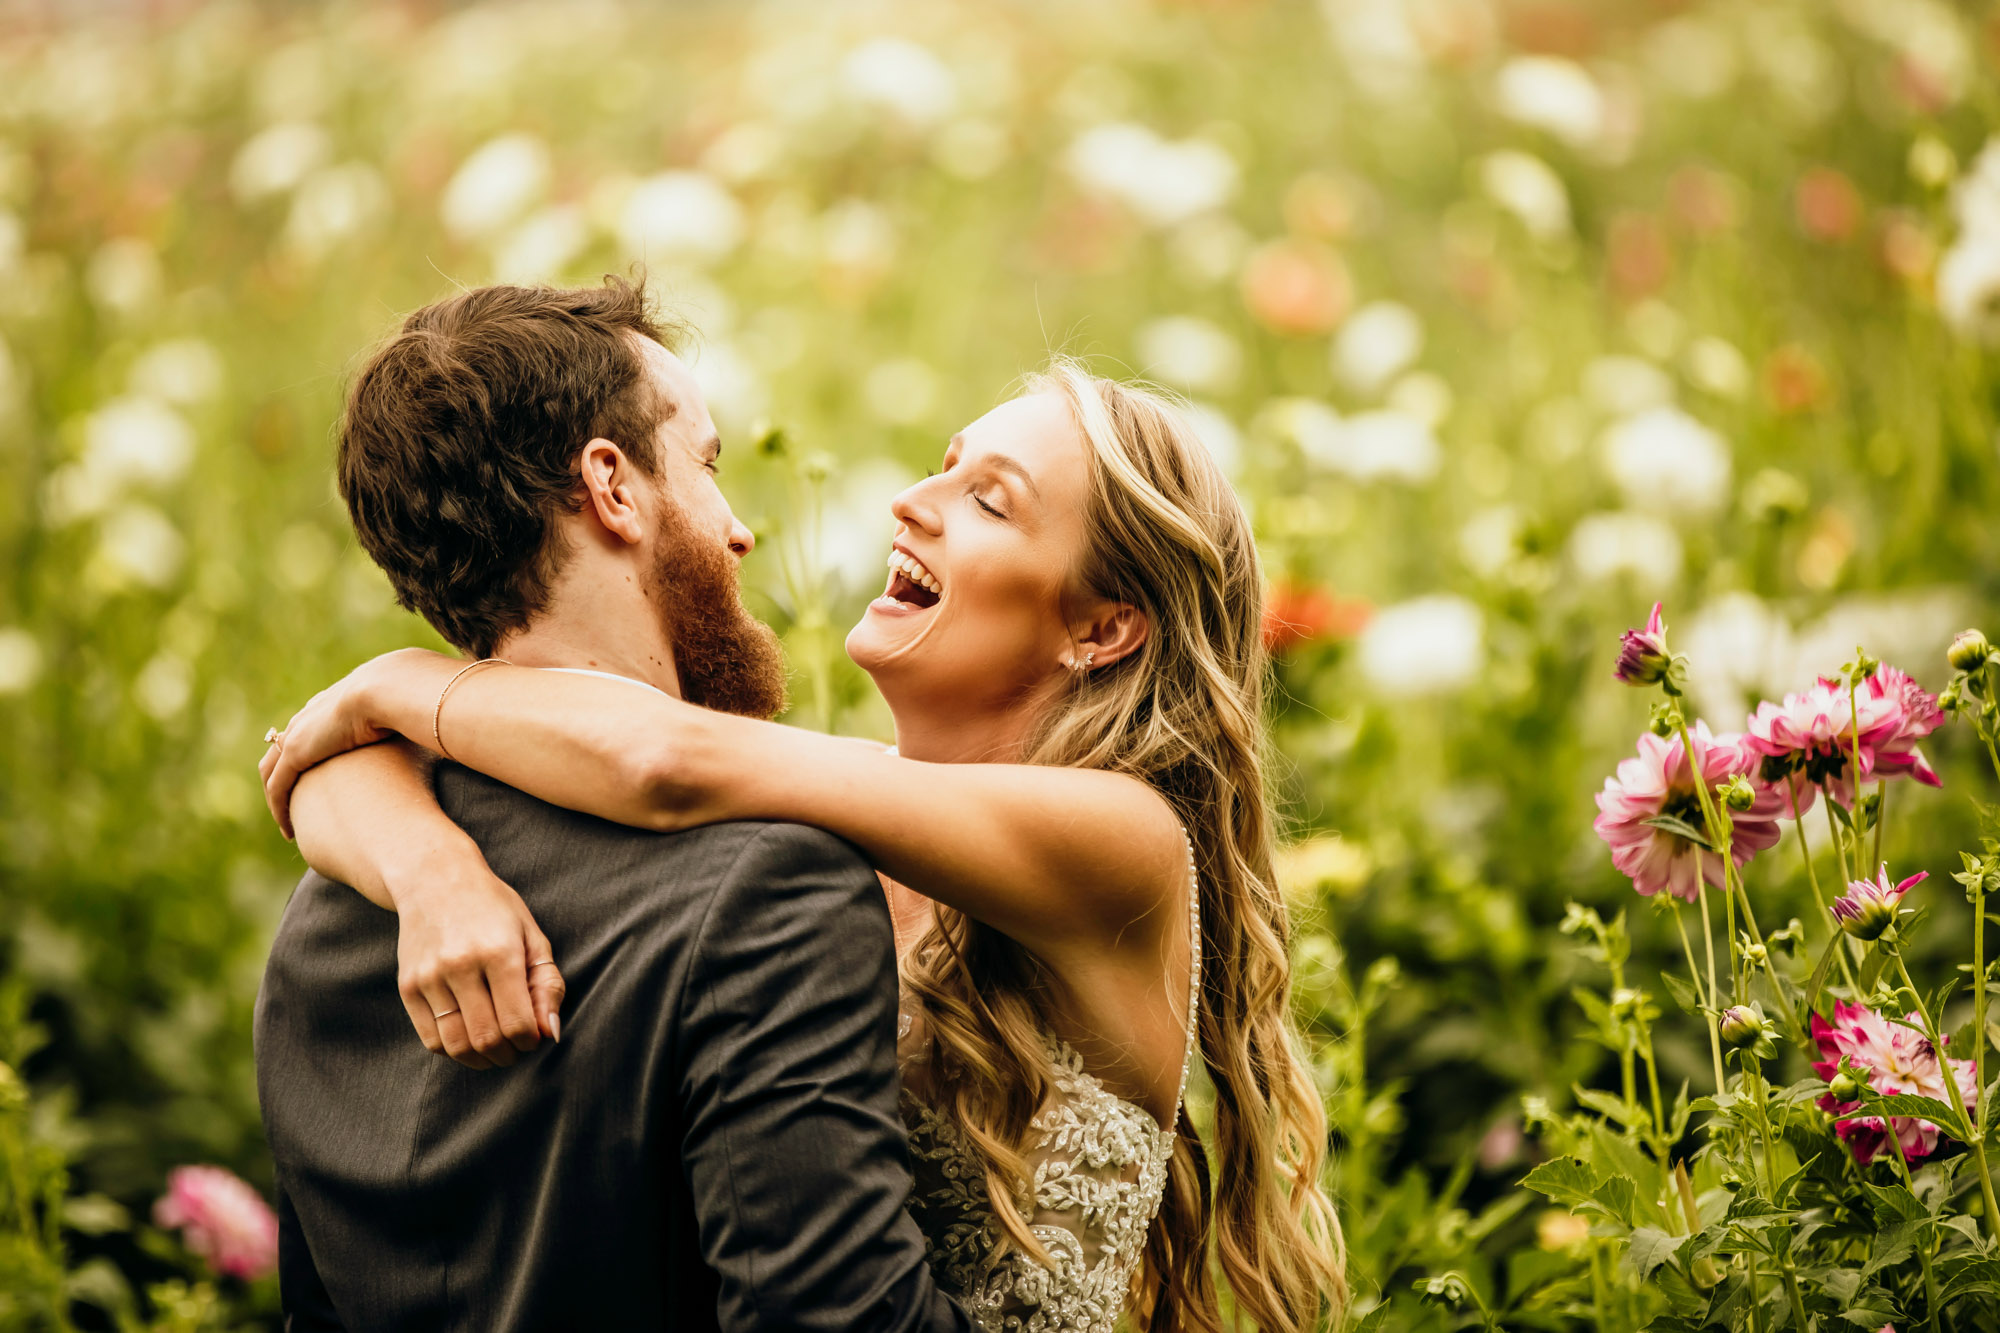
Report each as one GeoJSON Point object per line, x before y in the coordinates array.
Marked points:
{"type": "Point", "coordinates": [1507, 316]}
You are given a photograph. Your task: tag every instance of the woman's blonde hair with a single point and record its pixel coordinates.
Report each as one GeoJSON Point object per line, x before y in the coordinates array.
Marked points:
{"type": "Point", "coordinates": [1184, 713]}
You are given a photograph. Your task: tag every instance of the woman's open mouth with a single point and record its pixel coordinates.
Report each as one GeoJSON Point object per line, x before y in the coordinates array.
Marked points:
{"type": "Point", "coordinates": [910, 583]}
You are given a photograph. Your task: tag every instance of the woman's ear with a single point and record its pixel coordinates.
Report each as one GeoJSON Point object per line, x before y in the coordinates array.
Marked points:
{"type": "Point", "coordinates": [1112, 630]}
{"type": "Point", "coordinates": [609, 483]}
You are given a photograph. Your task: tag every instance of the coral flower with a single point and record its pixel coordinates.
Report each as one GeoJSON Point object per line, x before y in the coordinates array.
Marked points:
{"type": "Point", "coordinates": [1897, 1059]}
{"type": "Point", "coordinates": [221, 1219]}
{"type": "Point", "coordinates": [1868, 908]}
{"type": "Point", "coordinates": [1814, 731]}
{"type": "Point", "coordinates": [1296, 613]}
{"type": "Point", "coordinates": [1660, 781]}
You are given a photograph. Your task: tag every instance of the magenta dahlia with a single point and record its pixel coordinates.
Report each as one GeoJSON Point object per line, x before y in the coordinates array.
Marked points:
{"type": "Point", "coordinates": [1813, 731]}
{"type": "Point", "coordinates": [1897, 1059]}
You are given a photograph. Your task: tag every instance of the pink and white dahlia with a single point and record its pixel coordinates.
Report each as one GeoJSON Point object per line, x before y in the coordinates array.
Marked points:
{"type": "Point", "coordinates": [1897, 1059]}
{"type": "Point", "coordinates": [1814, 732]}
{"type": "Point", "coordinates": [221, 1219]}
{"type": "Point", "coordinates": [1869, 906]}
{"type": "Point", "coordinates": [1660, 781]}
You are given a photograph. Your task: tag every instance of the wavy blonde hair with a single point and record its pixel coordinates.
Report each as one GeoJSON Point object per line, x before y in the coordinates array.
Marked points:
{"type": "Point", "coordinates": [1184, 713]}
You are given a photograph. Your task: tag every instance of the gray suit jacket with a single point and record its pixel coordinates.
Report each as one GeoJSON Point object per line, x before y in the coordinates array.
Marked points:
{"type": "Point", "coordinates": [713, 1145]}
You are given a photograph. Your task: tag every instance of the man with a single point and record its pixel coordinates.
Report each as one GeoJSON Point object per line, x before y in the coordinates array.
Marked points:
{"type": "Point", "coordinates": [713, 1141]}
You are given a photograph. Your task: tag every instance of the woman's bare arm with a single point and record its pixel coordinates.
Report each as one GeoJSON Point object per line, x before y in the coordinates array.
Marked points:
{"type": "Point", "coordinates": [1063, 860]}
{"type": "Point", "coordinates": [369, 819]}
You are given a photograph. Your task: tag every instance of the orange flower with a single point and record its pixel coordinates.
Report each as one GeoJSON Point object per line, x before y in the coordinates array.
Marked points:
{"type": "Point", "coordinates": [1907, 249]}
{"type": "Point", "coordinates": [1297, 288]}
{"type": "Point", "coordinates": [1827, 204]}
{"type": "Point", "coordinates": [1704, 200]}
{"type": "Point", "coordinates": [1296, 613]}
{"type": "Point", "coordinates": [1794, 380]}
{"type": "Point", "coordinates": [1637, 259]}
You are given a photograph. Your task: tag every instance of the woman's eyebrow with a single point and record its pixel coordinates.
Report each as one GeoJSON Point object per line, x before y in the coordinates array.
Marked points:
{"type": "Point", "coordinates": [1004, 464]}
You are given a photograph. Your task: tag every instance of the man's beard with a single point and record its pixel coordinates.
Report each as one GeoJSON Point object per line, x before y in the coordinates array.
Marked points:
{"type": "Point", "coordinates": [726, 659]}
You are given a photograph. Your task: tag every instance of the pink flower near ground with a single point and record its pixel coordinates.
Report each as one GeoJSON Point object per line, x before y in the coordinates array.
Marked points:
{"type": "Point", "coordinates": [1814, 731]}
{"type": "Point", "coordinates": [222, 1219]}
{"type": "Point", "coordinates": [1897, 1059]}
{"type": "Point", "coordinates": [1660, 781]}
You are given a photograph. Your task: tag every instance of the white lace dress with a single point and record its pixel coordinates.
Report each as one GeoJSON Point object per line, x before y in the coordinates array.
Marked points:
{"type": "Point", "coordinates": [1100, 1170]}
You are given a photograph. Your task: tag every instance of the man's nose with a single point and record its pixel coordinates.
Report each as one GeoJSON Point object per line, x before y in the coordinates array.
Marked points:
{"type": "Point", "coordinates": [741, 540]}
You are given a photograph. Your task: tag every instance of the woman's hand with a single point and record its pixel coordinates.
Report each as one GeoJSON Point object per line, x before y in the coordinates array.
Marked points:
{"type": "Point", "coordinates": [476, 973]}
{"type": "Point", "coordinates": [337, 719]}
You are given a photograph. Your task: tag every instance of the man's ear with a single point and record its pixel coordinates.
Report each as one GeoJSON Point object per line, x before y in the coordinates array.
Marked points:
{"type": "Point", "coordinates": [1110, 631]}
{"type": "Point", "coordinates": [610, 483]}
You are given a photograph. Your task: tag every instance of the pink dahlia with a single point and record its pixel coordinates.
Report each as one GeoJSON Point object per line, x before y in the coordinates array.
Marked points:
{"type": "Point", "coordinates": [1642, 653]}
{"type": "Point", "coordinates": [1897, 1059]}
{"type": "Point", "coordinates": [1814, 731]}
{"type": "Point", "coordinates": [221, 1219]}
{"type": "Point", "coordinates": [1868, 908]}
{"type": "Point", "coordinates": [1660, 781]}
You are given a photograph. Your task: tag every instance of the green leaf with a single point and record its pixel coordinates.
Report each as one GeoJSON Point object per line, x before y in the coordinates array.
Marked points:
{"type": "Point", "coordinates": [1981, 1277]}
{"type": "Point", "coordinates": [1913, 1106]}
{"type": "Point", "coordinates": [1680, 828]}
{"type": "Point", "coordinates": [1564, 1179]}
{"type": "Point", "coordinates": [1895, 1203]}
{"type": "Point", "coordinates": [1613, 1108]}
{"type": "Point", "coordinates": [1649, 1248]}
{"type": "Point", "coordinates": [1684, 994]}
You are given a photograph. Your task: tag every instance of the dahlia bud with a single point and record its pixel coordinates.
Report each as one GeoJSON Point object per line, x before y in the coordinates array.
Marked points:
{"type": "Point", "coordinates": [1666, 719]}
{"type": "Point", "coordinates": [1737, 793]}
{"type": "Point", "coordinates": [1948, 698]}
{"type": "Point", "coordinates": [1844, 1087]}
{"type": "Point", "coordinates": [1968, 652]}
{"type": "Point", "coordinates": [1741, 1025]}
{"type": "Point", "coordinates": [1868, 908]}
{"type": "Point", "coordinates": [1643, 658]}
{"type": "Point", "coordinates": [1756, 955]}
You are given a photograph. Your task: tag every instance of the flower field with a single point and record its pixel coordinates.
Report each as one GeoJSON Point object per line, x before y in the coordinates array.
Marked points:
{"type": "Point", "coordinates": [1510, 318]}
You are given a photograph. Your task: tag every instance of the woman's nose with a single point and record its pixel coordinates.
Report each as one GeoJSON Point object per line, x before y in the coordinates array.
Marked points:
{"type": "Point", "coordinates": [913, 507]}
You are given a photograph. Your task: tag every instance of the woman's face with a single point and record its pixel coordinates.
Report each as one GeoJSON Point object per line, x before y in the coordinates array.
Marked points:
{"type": "Point", "coordinates": [973, 611]}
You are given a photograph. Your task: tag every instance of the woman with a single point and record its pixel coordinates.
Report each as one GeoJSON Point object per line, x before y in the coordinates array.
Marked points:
{"type": "Point", "coordinates": [1073, 833]}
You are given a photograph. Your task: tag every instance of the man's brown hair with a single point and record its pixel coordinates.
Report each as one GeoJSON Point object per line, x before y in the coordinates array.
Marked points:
{"type": "Point", "coordinates": [458, 449]}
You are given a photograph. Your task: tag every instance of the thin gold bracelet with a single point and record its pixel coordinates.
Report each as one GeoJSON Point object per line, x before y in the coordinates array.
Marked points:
{"type": "Point", "coordinates": [437, 714]}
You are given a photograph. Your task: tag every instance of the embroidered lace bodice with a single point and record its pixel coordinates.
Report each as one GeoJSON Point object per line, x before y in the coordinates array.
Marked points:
{"type": "Point", "coordinates": [1099, 1165]}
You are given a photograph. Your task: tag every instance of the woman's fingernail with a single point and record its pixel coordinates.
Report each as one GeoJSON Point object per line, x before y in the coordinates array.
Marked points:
{"type": "Point", "coordinates": [555, 1027]}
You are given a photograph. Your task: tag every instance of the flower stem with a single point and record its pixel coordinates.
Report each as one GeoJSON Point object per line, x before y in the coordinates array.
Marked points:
{"type": "Point", "coordinates": [1923, 1251]}
{"type": "Point", "coordinates": [1819, 895]}
{"type": "Point", "coordinates": [1839, 846]}
{"type": "Point", "coordinates": [1694, 971]}
{"type": "Point", "coordinates": [1760, 1097]}
{"type": "Point", "coordinates": [1881, 817]}
{"type": "Point", "coordinates": [1652, 1079]}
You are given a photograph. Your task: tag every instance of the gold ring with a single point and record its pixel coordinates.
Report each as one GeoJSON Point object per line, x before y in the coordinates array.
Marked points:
{"type": "Point", "coordinates": [446, 1014]}
{"type": "Point", "coordinates": [546, 962]}
{"type": "Point", "coordinates": [272, 736]}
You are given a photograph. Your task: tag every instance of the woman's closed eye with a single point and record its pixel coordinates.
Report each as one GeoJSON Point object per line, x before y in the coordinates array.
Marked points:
{"type": "Point", "coordinates": [987, 507]}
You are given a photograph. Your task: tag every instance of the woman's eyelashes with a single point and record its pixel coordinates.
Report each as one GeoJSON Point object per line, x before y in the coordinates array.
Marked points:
{"type": "Point", "coordinates": [987, 507]}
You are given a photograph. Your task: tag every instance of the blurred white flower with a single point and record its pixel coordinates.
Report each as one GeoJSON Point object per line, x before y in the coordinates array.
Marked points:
{"type": "Point", "coordinates": [1740, 651]}
{"type": "Point", "coordinates": [855, 524]}
{"type": "Point", "coordinates": [1490, 540]}
{"type": "Point", "coordinates": [1422, 395]}
{"type": "Point", "coordinates": [972, 149]}
{"type": "Point", "coordinates": [140, 543]}
{"type": "Point", "coordinates": [278, 159]}
{"type": "Point", "coordinates": [1207, 249]}
{"type": "Point", "coordinates": [495, 184]}
{"type": "Point", "coordinates": [180, 370]}
{"type": "Point", "coordinates": [1429, 645]}
{"type": "Point", "coordinates": [1163, 182]}
{"type": "Point", "coordinates": [1369, 446]}
{"type": "Point", "coordinates": [333, 204]}
{"type": "Point", "coordinates": [124, 275]}
{"type": "Point", "coordinates": [900, 77]}
{"type": "Point", "coordinates": [1528, 188]}
{"type": "Point", "coordinates": [136, 441]}
{"type": "Point", "coordinates": [1219, 433]}
{"type": "Point", "coordinates": [1379, 44]}
{"type": "Point", "coordinates": [858, 236]}
{"type": "Point", "coordinates": [1603, 546]}
{"type": "Point", "coordinates": [1968, 275]}
{"type": "Point", "coordinates": [1663, 458]}
{"type": "Point", "coordinates": [1189, 352]}
{"type": "Point", "coordinates": [542, 246]}
{"type": "Point", "coordinates": [1552, 94]}
{"type": "Point", "coordinates": [1377, 343]}
{"type": "Point", "coordinates": [735, 393]}
{"type": "Point", "coordinates": [1692, 57]}
{"type": "Point", "coordinates": [1715, 366]}
{"type": "Point", "coordinates": [20, 660]}
{"type": "Point", "coordinates": [163, 686]}
{"type": "Point", "coordinates": [302, 557]}
{"type": "Point", "coordinates": [1623, 385]}
{"type": "Point", "coordinates": [744, 152]}
{"type": "Point", "coordinates": [681, 215]}
{"type": "Point", "coordinates": [1929, 35]}
{"type": "Point", "coordinates": [902, 392]}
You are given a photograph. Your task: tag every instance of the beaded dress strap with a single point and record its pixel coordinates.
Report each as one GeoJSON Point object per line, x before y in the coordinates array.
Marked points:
{"type": "Point", "coordinates": [1194, 978]}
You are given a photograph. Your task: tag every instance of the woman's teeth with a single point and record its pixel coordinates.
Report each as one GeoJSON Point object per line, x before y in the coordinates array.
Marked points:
{"type": "Point", "coordinates": [910, 569]}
